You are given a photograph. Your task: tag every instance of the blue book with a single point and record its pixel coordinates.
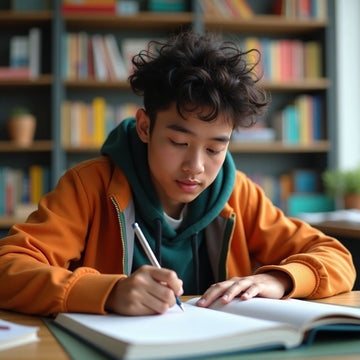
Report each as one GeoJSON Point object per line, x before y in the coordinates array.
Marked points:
{"type": "Point", "coordinates": [305, 181]}
{"type": "Point", "coordinates": [317, 117]}
{"type": "Point", "coordinates": [292, 129]}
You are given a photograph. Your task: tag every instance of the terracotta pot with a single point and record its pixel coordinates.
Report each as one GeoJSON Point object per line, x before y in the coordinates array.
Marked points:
{"type": "Point", "coordinates": [352, 201]}
{"type": "Point", "coordinates": [21, 129]}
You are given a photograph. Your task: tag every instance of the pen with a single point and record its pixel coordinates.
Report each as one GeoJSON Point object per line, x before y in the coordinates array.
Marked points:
{"type": "Point", "coordinates": [149, 253]}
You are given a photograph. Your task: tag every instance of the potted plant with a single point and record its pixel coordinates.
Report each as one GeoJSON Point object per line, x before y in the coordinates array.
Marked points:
{"type": "Point", "coordinates": [344, 183]}
{"type": "Point", "coordinates": [21, 126]}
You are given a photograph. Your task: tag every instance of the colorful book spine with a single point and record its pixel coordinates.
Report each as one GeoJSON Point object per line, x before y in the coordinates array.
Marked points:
{"type": "Point", "coordinates": [302, 9]}
{"type": "Point", "coordinates": [88, 124]}
{"type": "Point", "coordinates": [36, 183]}
{"type": "Point", "coordinates": [88, 7]}
{"type": "Point", "coordinates": [288, 59]}
{"type": "Point", "coordinates": [300, 122]}
{"type": "Point", "coordinates": [19, 187]}
{"type": "Point", "coordinates": [99, 111]}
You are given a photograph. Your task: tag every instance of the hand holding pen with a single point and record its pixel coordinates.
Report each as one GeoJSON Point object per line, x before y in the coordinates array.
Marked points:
{"type": "Point", "coordinates": [151, 256]}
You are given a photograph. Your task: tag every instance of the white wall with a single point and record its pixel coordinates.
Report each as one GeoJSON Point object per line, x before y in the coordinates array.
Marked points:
{"type": "Point", "coordinates": [347, 14]}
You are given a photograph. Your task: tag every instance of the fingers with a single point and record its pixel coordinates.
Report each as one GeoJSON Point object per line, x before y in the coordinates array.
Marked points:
{"type": "Point", "coordinates": [273, 284]}
{"type": "Point", "coordinates": [167, 277]}
{"type": "Point", "coordinates": [228, 290]}
{"type": "Point", "coordinates": [147, 291]}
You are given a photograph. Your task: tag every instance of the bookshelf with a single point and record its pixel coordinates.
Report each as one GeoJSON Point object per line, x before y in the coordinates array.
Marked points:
{"type": "Point", "coordinates": [275, 157]}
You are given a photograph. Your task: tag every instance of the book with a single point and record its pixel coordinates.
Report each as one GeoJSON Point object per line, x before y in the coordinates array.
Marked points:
{"type": "Point", "coordinates": [239, 326]}
{"type": "Point", "coordinates": [19, 51]}
{"type": "Point", "coordinates": [116, 60]}
{"type": "Point", "coordinates": [99, 113]}
{"type": "Point", "coordinates": [10, 73]}
{"type": "Point", "coordinates": [88, 7]}
{"type": "Point", "coordinates": [12, 334]}
{"type": "Point", "coordinates": [30, 5]}
{"type": "Point", "coordinates": [35, 52]}
{"type": "Point", "coordinates": [36, 183]}
{"type": "Point", "coordinates": [100, 69]}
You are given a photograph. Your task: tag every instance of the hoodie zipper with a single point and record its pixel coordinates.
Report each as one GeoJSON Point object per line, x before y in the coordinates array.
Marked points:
{"type": "Point", "coordinates": [121, 227]}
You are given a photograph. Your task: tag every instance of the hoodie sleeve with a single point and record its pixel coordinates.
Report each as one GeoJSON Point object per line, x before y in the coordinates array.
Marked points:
{"type": "Point", "coordinates": [318, 265]}
{"type": "Point", "coordinates": [35, 258]}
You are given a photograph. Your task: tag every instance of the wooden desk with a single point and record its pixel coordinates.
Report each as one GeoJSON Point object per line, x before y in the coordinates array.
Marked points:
{"type": "Point", "coordinates": [48, 347]}
{"type": "Point", "coordinates": [339, 229]}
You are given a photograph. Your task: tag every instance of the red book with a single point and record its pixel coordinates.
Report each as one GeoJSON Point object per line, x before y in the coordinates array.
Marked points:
{"type": "Point", "coordinates": [9, 73]}
{"type": "Point", "coordinates": [88, 9]}
{"type": "Point", "coordinates": [91, 72]}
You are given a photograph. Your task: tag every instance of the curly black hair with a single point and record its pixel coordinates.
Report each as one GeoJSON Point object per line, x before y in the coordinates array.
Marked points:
{"type": "Point", "coordinates": [199, 73]}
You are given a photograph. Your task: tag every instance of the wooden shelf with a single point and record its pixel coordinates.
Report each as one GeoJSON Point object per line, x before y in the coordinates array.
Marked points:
{"type": "Point", "coordinates": [36, 146]}
{"type": "Point", "coordinates": [265, 23]}
{"type": "Point", "coordinates": [297, 85]}
{"type": "Point", "coordinates": [241, 147]}
{"type": "Point", "coordinates": [82, 150]}
{"type": "Point", "coordinates": [278, 147]}
{"type": "Point", "coordinates": [142, 20]}
{"type": "Point", "coordinates": [149, 20]}
{"type": "Point", "coordinates": [293, 85]}
{"type": "Point", "coordinates": [9, 18]}
{"type": "Point", "coordinates": [94, 84]}
{"type": "Point", "coordinates": [42, 80]}
{"type": "Point", "coordinates": [8, 221]}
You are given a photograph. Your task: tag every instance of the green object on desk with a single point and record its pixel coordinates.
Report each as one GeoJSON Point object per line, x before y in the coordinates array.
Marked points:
{"type": "Point", "coordinates": [300, 203]}
{"type": "Point", "coordinates": [325, 346]}
{"type": "Point", "coordinates": [76, 348]}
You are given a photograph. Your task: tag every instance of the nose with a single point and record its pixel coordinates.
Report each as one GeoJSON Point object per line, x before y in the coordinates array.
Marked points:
{"type": "Point", "coordinates": [193, 163]}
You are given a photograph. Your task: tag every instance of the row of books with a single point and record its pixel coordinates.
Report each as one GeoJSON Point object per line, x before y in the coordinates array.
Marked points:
{"type": "Point", "coordinates": [300, 122]}
{"type": "Point", "coordinates": [128, 7]}
{"type": "Point", "coordinates": [286, 59]}
{"type": "Point", "coordinates": [98, 56]}
{"type": "Point", "coordinates": [24, 56]}
{"type": "Point", "coordinates": [302, 9]}
{"type": "Point", "coordinates": [19, 187]}
{"type": "Point", "coordinates": [280, 188]}
{"type": "Point", "coordinates": [259, 132]}
{"type": "Point", "coordinates": [236, 9]}
{"type": "Point", "coordinates": [88, 124]}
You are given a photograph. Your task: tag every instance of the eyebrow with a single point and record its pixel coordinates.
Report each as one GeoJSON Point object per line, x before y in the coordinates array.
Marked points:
{"type": "Point", "coordinates": [182, 129]}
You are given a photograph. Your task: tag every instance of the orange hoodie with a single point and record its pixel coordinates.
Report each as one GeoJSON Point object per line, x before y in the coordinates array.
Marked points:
{"type": "Point", "coordinates": [71, 251]}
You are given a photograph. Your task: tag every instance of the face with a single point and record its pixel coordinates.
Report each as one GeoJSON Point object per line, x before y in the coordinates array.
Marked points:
{"type": "Point", "coordinates": [184, 155]}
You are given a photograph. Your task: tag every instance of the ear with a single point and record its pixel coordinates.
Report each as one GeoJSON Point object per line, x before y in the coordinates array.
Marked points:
{"type": "Point", "coordinates": [143, 125]}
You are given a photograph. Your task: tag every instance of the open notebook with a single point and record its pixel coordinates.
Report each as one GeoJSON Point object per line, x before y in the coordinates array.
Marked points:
{"type": "Point", "coordinates": [239, 326]}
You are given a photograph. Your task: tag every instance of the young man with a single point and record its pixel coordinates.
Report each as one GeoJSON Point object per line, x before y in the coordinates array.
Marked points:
{"type": "Point", "coordinates": [213, 230]}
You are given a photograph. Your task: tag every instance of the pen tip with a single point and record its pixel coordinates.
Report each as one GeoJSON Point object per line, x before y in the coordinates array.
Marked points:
{"type": "Point", "coordinates": [182, 307]}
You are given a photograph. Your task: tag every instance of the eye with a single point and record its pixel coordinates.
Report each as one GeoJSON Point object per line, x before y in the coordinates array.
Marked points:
{"type": "Point", "coordinates": [213, 152]}
{"type": "Point", "coordinates": [177, 143]}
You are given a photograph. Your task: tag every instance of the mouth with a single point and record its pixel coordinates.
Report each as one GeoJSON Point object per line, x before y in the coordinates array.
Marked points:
{"type": "Point", "coordinates": [188, 185]}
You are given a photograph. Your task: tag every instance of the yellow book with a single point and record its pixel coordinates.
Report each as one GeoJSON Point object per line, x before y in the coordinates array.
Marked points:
{"type": "Point", "coordinates": [36, 183]}
{"type": "Point", "coordinates": [243, 8]}
{"type": "Point", "coordinates": [86, 133]}
{"type": "Point", "coordinates": [65, 123]}
{"type": "Point", "coordinates": [99, 114]}
{"type": "Point", "coordinates": [254, 57]}
{"type": "Point", "coordinates": [305, 118]}
{"type": "Point", "coordinates": [313, 60]}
